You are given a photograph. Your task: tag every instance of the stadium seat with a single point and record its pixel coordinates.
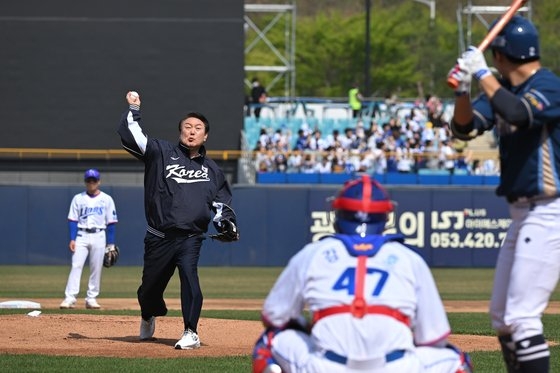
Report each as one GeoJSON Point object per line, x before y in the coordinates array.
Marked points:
{"type": "Point", "coordinates": [249, 123]}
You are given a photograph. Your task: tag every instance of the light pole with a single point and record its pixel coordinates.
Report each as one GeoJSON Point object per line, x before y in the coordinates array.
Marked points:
{"type": "Point", "coordinates": [367, 81]}
{"type": "Point", "coordinates": [432, 5]}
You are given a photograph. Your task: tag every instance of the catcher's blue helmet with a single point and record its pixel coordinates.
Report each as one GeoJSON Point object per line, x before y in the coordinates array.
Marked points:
{"type": "Point", "coordinates": [519, 40]}
{"type": "Point", "coordinates": [361, 207]}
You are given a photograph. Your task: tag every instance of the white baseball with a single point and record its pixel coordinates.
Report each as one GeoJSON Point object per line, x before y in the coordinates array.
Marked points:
{"type": "Point", "coordinates": [272, 368]}
{"type": "Point", "coordinates": [134, 94]}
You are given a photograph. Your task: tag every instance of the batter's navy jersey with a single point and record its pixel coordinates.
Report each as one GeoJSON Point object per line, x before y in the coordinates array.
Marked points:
{"type": "Point", "coordinates": [529, 155]}
{"type": "Point", "coordinates": [179, 192]}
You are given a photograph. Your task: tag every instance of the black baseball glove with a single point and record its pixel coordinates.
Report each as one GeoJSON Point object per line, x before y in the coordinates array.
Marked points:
{"type": "Point", "coordinates": [111, 256]}
{"type": "Point", "coordinates": [228, 232]}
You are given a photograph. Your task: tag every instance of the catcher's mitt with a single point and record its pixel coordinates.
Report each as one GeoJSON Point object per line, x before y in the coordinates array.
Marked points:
{"type": "Point", "coordinates": [111, 256]}
{"type": "Point", "coordinates": [228, 232]}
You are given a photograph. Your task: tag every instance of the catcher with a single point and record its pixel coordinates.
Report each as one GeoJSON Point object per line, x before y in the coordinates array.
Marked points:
{"type": "Point", "coordinates": [374, 302]}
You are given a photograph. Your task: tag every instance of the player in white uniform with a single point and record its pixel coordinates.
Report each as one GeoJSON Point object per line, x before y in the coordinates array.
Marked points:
{"type": "Point", "coordinates": [374, 303]}
{"type": "Point", "coordinates": [91, 220]}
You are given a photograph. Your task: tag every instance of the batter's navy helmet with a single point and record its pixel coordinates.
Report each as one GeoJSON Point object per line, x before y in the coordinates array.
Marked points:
{"type": "Point", "coordinates": [518, 40]}
{"type": "Point", "coordinates": [361, 207]}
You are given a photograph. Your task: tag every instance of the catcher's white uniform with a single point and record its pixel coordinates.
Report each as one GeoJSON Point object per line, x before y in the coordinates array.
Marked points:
{"type": "Point", "coordinates": [404, 330]}
{"type": "Point", "coordinates": [93, 214]}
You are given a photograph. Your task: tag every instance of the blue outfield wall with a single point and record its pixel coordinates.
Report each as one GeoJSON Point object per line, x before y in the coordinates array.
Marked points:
{"type": "Point", "coordinates": [453, 226]}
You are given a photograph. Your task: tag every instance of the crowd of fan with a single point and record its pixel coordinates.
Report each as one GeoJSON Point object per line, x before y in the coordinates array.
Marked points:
{"type": "Point", "coordinates": [419, 140]}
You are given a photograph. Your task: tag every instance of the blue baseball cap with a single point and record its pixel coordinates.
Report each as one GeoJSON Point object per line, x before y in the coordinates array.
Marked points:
{"type": "Point", "coordinates": [92, 173]}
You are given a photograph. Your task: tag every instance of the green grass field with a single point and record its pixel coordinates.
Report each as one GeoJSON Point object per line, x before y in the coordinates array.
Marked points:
{"type": "Point", "coordinates": [29, 282]}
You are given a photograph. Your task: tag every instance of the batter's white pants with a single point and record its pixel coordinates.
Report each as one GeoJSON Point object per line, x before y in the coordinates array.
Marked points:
{"type": "Point", "coordinates": [295, 353]}
{"type": "Point", "coordinates": [92, 245]}
{"type": "Point", "coordinates": [527, 269]}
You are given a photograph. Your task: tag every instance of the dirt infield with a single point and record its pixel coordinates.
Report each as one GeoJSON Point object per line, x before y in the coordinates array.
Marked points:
{"type": "Point", "coordinates": [117, 336]}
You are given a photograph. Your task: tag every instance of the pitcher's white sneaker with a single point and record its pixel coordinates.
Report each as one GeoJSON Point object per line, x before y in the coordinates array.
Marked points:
{"type": "Point", "coordinates": [92, 304]}
{"type": "Point", "coordinates": [67, 304]}
{"type": "Point", "coordinates": [147, 328]}
{"type": "Point", "coordinates": [188, 341]}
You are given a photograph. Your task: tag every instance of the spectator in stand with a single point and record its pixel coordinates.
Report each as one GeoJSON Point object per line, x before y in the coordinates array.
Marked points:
{"type": "Point", "coordinates": [333, 140]}
{"type": "Point", "coordinates": [490, 167]}
{"type": "Point", "coordinates": [281, 140]}
{"type": "Point", "coordinates": [396, 138]}
{"type": "Point", "coordinates": [263, 161]}
{"type": "Point", "coordinates": [276, 137]}
{"type": "Point", "coordinates": [360, 131]}
{"type": "Point", "coordinates": [447, 156]}
{"type": "Point", "coordinates": [355, 99]}
{"type": "Point", "coordinates": [376, 129]}
{"type": "Point", "coordinates": [443, 133]}
{"type": "Point", "coordinates": [295, 160]}
{"type": "Point", "coordinates": [308, 164]}
{"type": "Point", "coordinates": [258, 97]}
{"type": "Point", "coordinates": [386, 130]}
{"type": "Point", "coordinates": [462, 162]}
{"type": "Point", "coordinates": [347, 138]}
{"type": "Point", "coordinates": [379, 158]}
{"type": "Point", "coordinates": [428, 132]}
{"type": "Point", "coordinates": [349, 165]}
{"type": "Point", "coordinates": [418, 115]}
{"type": "Point", "coordinates": [434, 107]}
{"type": "Point", "coordinates": [302, 141]}
{"type": "Point", "coordinates": [476, 168]}
{"type": "Point", "coordinates": [391, 161]}
{"type": "Point", "coordinates": [408, 129]}
{"type": "Point", "coordinates": [317, 142]}
{"type": "Point", "coordinates": [264, 139]}
{"type": "Point", "coordinates": [405, 159]}
{"type": "Point", "coordinates": [366, 162]}
{"type": "Point", "coordinates": [280, 162]}
{"type": "Point", "coordinates": [431, 155]}
{"type": "Point", "coordinates": [324, 166]}
{"type": "Point", "coordinates": [374, 134]}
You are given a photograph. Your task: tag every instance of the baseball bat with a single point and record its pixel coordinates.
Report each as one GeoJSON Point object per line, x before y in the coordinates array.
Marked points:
{"type": "Point", "coordinates": [504, 19]}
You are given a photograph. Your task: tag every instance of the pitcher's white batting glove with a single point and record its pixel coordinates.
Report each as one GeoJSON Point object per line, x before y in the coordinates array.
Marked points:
{"type": "Point", "coordinates": [476, 63]}
{"type": "Point", "coordinates": [461, 74]}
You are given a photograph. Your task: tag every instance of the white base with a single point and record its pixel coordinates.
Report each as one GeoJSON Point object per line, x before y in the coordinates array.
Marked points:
{"type": "Point", "coordinates": [19, 304]}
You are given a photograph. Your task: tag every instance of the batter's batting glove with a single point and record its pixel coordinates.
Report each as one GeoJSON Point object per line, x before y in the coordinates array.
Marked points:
{"type": "Point", "coordinates": [461, 74]}
{"type": "Point", "coordinates": [476, 63]}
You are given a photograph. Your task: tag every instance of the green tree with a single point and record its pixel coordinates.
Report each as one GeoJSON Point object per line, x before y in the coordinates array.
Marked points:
{"type": "Point", "coordinates": [410, 56]}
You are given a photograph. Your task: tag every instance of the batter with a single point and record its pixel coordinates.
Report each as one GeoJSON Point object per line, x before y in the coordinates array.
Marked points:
{"type": "Point", "coordinates": [523, 107]}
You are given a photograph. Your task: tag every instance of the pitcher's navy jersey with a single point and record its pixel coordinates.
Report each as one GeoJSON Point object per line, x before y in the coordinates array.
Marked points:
{"type": "Point", "coordinates": [529, 155]}
{"type": "Point", "coordinates": [173, 176]}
